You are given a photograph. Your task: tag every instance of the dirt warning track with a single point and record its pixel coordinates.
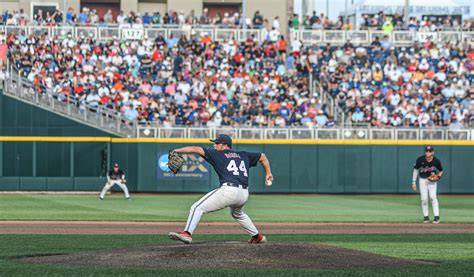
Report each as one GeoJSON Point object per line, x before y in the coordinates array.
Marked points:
{"type": "Point", "coordinates": [136, 228]}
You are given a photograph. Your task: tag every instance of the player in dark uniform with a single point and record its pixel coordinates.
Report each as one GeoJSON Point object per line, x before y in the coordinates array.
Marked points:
{"type": "Point", "coordinates": [116, 176]}
{"type": "Point", "coordinates": [430, 170]}
{"type": "Point", "coordinates": [232, 167]}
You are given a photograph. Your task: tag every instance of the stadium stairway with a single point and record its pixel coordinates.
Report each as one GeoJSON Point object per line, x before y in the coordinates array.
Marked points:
{"type": "Point", "coordinates": [101, 119]}
{"type": "Point", "coordinates": [327, 100]}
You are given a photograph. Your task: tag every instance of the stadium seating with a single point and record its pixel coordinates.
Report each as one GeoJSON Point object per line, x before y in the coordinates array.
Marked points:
{"type": "Point", "coordinates": [171, 81]}
{"type": "Point", "coordinates": [197, 81]}
{"type": "Point", "coordinates": [421, 85]}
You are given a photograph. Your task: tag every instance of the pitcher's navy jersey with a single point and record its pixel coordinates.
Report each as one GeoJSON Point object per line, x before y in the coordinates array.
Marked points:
{"type": "Point", "coordinates": [232, 166]}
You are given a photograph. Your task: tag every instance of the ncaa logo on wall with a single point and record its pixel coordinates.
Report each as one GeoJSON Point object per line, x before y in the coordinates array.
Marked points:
{"type": "Point", "coordinates": [194, 167]}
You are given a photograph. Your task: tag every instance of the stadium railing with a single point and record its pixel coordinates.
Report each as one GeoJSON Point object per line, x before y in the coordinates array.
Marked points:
{"type": "Point", "coordinates": [397, 38]}
{"type": "Point", "coordinates": [331, 106]}
{"type": "Point", "coordinates": [310, 133]}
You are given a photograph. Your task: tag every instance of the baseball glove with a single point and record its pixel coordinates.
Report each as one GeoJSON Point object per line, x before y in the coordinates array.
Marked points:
{"type": "Point", "coordinates": [175, 161]}
{"type": "Point", "coordinates": [433, 177]}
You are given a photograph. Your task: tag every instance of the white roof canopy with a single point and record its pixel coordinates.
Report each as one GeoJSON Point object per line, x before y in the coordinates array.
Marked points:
{"type": "Point", "coordinates": [417, 7]}
{"type": "Point", "coordinates": [427, 3]}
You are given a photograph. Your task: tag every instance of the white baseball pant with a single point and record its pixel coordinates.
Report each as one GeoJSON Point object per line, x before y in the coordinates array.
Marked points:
{"type": "Point", "coordinates": [226, 196]}
{"type": "Point", "coordinates": [110, 184]}
{"type": "Point", "coordinates": [428, 189]}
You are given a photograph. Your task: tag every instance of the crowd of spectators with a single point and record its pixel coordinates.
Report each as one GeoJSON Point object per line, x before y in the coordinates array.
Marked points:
{"type": "Point", "coordinates": [199, 82]}
{"type": "Point", "coordinates": [195, 81]}
{"type": "Point", "coordinates": [175, 82]}
{"type": "Point", "coordinates": [91, 17]}
{"type": "Point", "coordinates": [389, 23]}
{"type": "Point", "coordinates": [424, 85]}
{"type": "Point", "coordinates": [379, 21]}
{"type": "Point", "coordinates": [382, 22]}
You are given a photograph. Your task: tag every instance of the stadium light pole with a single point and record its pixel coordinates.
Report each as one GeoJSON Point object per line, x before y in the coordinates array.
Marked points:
{"type": "Point", "coordinates": [407, 6]}
{"type": "Point", "coordinates": [244, 15]}
{"type": "Point", "coordinates": [345, 9]}
{"type": "Point", "coordinates": [64, 12]}
{"type": "Point", "coordinates": [327, 8]}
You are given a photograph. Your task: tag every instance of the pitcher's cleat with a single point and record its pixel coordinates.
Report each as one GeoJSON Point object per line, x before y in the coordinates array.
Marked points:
{"type": "Point", "coordinates": [181, 236]}
{"type": "Point", "coordinates": [258, 239]}
{"type": "Point", "coordinates": [426, 219]}
{"type": "Point", "coordinates": [436, 220]}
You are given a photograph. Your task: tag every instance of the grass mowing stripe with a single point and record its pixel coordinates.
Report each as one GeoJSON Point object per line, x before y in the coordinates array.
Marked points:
{"type": "Point", "coordinates": [457, 260]}
{"type": "Point", "coordinates": [18, 244]}
{"type": "Point", "coordinates": [270, 208]}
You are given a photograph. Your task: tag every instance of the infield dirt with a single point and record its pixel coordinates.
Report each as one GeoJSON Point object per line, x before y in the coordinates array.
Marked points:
{"type": "Point", "coordinates": [137, 228]}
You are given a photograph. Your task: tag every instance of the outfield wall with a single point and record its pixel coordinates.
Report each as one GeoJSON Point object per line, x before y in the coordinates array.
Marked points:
{"type": "Point", "coordinates": [298, 166]}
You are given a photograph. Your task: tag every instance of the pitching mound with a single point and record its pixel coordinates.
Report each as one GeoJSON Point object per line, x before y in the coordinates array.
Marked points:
{"type": "Point", "coordinates": [228, 255]}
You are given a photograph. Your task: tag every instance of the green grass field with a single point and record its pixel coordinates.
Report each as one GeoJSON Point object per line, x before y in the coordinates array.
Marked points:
{"type": "Point", "coordinates": [269, 208]}
{"type": "Point", "coordinates": [453, 254]}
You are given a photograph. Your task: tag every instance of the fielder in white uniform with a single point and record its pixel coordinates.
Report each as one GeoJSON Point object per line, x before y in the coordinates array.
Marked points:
{"type": "Point", "coordinates": [426, 166]}
{"type": "Point", "coordinates": [232, 167]}
{"type": "Point", "coordinates": [116, 176]}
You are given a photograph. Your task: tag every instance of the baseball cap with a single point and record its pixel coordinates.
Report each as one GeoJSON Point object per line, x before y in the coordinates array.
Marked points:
{"type": "Point", "coordinates": [429, 148]}
{"type": "Point", "coordinates": [223, 139]}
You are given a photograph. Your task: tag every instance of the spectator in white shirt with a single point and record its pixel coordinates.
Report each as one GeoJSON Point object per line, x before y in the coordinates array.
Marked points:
{"type": "Point", "coordinates": [184, 87]}
{"type": "Point", "coordinates": [130, 112]}
{"type": "Point", "coordinates": [274, 35]}
{"type": "Point", "coordinates": [93, 99]}
{"type": "Point", "coordinates": [180, 99]}
{"type": "Point", "coordinates": [104, 90]}
{"type": "Point", "coordinates": [121, 18]}
{"type": "Point", "coordinates": [424, 65]}
{"type": "Point", "coordinates": [276, 23]}
{"type": "Point", "coordinates": [296, 46]}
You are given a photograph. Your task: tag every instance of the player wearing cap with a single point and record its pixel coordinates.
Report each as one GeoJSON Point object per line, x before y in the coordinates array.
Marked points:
{"type": "Point", "coordinates": [116, 176]}
{"type": "Point", "coordinates": [429, 168]}
{"type": "Point", "coordinates": [232, 167]}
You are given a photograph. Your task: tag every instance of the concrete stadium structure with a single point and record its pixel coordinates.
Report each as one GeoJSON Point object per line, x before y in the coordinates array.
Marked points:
{"type": "Point", "coordinates": [269, 8]}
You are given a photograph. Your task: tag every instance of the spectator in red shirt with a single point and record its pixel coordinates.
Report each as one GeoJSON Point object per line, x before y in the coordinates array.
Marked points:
{"type": "Point", "coordinates": [3, 53]}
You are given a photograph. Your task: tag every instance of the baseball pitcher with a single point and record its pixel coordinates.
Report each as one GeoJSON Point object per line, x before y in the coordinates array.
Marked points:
{"type": "Point", "coordinates": [429, 168]}
{"type": "Point", "coordinates": [232, 167]}
{"type": "Point", "coordinates": [116, 176]}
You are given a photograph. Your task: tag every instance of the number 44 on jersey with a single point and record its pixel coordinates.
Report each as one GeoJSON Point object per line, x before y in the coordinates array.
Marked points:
{"type": "Point", "coordinates": [232, 167]}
